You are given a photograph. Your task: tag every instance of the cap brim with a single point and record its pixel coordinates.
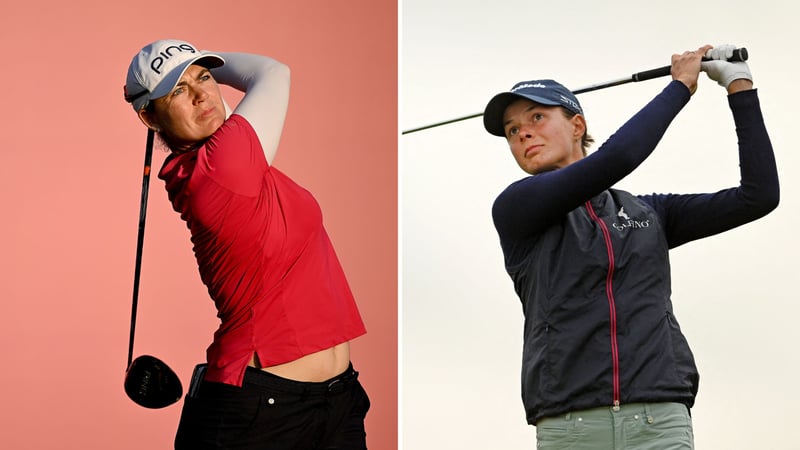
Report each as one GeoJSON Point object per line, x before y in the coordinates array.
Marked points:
{"type": "Point", "coordinates": [208, 60]}
{"type": "Point", "coordinates": [496, 108]}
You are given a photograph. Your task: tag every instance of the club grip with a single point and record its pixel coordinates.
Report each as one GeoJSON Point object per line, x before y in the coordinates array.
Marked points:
{"type": "Point", "coordinates": [652, 73]}
{"type": "Point", "coordinates": [739, 55]}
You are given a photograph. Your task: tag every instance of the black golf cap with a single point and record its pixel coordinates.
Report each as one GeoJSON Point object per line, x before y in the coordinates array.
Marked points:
{"type": "Point", "coordinates": [544, 92]}
{"type": "Point", "coordinates": [149, 382]}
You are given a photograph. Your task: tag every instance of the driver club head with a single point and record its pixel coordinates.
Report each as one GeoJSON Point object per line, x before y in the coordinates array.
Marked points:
{"type": "Point", "coordinates": [149, 382]}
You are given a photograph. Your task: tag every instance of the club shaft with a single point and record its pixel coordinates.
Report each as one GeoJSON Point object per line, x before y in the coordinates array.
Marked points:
{"type": "Point", "coordinates": [739, 54]}
{"type": "Point", "coordinates": [148, 157]}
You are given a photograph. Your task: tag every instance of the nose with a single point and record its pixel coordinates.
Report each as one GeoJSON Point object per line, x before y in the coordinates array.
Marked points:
{"type": "Point", "coordinates": [200, 94]}
{"type": "Point", "coordinates": [525, 133]}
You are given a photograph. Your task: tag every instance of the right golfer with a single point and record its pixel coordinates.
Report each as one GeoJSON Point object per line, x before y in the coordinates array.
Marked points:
{"type": "Point", "coordinates": [604, 364]}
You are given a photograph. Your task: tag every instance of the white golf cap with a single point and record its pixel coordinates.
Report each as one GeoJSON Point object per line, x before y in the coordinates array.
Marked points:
{"type": "Point", "coordinates": [156, 69]}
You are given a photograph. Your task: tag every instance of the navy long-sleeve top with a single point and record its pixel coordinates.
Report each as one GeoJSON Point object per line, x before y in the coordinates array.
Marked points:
{"type": "Point", "coordinates": [530, 205]}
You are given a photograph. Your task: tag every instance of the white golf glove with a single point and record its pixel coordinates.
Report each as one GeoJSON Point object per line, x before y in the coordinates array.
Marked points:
{"type": "Point", "coordinates": [722, 71]}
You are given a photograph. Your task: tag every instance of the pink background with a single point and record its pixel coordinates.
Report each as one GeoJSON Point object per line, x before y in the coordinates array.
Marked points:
{"type": "Point", "coordinates": [70, 184]}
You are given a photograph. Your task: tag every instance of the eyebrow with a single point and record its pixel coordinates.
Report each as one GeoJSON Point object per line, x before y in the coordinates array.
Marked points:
{"type": "Point", "coordinates": [533, 106]}
{"type": "Point", "coordinates": [199, 74]}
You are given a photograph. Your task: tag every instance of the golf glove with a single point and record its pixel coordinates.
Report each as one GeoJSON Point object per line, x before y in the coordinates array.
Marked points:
{"type": "Point", "coordinates": [722, 71]}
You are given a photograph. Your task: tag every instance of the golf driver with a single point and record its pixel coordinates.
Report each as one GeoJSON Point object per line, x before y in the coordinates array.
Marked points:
{"type": "Point", "coordinates": [149, 382]}
{"type": "Point", "coordinates": [739, 54]}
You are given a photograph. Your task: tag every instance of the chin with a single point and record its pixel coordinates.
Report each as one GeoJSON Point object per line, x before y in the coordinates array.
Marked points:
{"type": "Point", "coordinates": [214, 125]}
{"type": "Point", "coordinates": [532, 169]}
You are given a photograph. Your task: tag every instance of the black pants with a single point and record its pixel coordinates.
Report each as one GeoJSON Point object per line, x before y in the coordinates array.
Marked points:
{"type": "Point", "coordinates": [269, 412]}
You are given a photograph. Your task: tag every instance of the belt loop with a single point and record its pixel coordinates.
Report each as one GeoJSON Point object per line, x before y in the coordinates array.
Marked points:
{"type": "Point", "coordinates": [335, 386]}
{"type": "Point", "coordinates": [647, 415]}
{"type": "Point", "coordinates": [568, 416]}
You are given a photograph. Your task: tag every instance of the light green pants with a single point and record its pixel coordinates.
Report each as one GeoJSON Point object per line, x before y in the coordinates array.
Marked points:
{"type": "Point", "coordinates": [636, 426]}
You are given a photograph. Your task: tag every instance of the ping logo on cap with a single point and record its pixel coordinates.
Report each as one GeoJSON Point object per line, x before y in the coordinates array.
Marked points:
{"type": "Point", "coordinates": [167, 53]}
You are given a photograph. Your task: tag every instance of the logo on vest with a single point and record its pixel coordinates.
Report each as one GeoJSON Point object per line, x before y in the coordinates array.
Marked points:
{"type": "Point", "coordinates": [628, 223]}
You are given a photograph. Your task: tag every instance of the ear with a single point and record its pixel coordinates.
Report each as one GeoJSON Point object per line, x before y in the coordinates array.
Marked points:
{"type": "Point", "coordinates": [149, 120]}
{"type": "Point", "coordinates": [578, 126]}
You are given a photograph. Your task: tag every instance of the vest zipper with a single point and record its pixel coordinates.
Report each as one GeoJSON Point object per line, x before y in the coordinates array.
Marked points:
{"type": "Point", "coordinates": [612, 309]}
